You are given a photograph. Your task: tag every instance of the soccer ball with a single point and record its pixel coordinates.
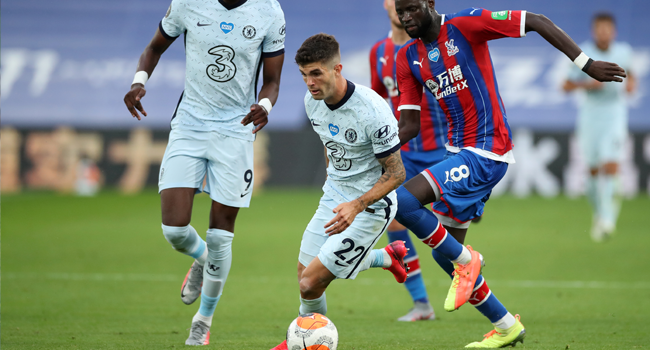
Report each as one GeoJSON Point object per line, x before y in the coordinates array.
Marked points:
{"type": "Point", "coordinates": [311, 332]}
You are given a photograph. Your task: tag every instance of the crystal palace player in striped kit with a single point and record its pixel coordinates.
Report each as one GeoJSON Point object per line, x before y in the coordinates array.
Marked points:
{"type": "Point", "coordinates": [450, 58]}
{"type": "Point", "coordinates": [422, 152]}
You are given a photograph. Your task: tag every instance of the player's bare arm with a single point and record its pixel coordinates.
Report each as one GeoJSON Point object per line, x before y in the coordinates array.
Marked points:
{"type": "Point", "coordinates": [148, 61]}
{"type": "Point", "coordinates": [270, 89]}
{"type": "Point", "coordinates": [393, 177]}
{"type": "Point", "coordinates": [409, 125]}
{"type": "Point", "coordinates": [599, 70]}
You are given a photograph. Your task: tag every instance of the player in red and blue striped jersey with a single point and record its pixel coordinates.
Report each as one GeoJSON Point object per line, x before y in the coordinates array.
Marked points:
{"type": "Point", "coordinates": [422, 152]}
{"type": "Point", "coordinates": [450, 58]}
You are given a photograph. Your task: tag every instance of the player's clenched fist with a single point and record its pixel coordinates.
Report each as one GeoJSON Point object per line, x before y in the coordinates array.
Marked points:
{"type": "Point", "coordinates": [132, 100]}
{"type": "Point", "coordinates": [345, 214]}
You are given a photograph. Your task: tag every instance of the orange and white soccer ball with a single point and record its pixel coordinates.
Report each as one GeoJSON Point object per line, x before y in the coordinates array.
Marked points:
{"type": "Point", "coordinates": [312, 332]}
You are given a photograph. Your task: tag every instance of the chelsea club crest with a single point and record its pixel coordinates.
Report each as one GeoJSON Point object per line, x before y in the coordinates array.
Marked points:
{"type": "Point", "coordinates": [350, 135]}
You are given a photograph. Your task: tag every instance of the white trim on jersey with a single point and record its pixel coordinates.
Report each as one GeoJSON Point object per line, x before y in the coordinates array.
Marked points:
{"type": "Point", "coordinates": [522, 29]}
{"type": "Point", "coordinates": [411, 107]}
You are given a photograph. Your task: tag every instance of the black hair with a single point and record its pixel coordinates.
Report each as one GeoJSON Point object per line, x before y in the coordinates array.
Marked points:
{"type": "Point", "coordinates": [317, 48]}
{"type": "Point", "coordinates": [604, 16]}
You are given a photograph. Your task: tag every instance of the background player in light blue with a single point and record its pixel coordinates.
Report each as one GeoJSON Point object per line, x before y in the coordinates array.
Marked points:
{"type": "Point", "coordinates": [602, 122]}
{"type": "Point", "coordinates": [226, 44]}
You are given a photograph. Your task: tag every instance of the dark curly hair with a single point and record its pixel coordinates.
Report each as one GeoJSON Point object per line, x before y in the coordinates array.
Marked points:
{"type": "Point", "coordinates": [317, 48]}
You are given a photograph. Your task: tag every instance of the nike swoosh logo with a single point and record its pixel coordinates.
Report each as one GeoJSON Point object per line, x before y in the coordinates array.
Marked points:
{"type": "Point", "coordinates": [338, 263]}
{"type": "Point", "coordinates": [244, 195]}
{"type": "Point", "coordinates": [314, 123]}
{"type": "Point", "coordinates": [203, 24]}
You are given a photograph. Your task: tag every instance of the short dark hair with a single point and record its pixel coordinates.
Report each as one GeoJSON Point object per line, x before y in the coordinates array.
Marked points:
{"type": "Point", "coordinates": [604, 16]}
{"type": "Point", "coordinates": [317, 48]}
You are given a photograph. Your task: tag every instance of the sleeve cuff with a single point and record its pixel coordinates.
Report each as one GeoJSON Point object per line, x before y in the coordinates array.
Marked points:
{"type": "Point", "coordinates": [389, 152]}
{"type": "Point", "coordinates": [162, 31]}
{"type": "Point", "coordinates": [413, 107]}
{"type": "Point", "coordinates": [273, 54]}
{"type": "Point", "coordinates": [522, 29]}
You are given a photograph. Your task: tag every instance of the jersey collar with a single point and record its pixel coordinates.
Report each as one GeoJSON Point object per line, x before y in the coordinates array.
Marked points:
{"type": "Point", "coordinates": [233, 6]}
{"type": "Point", "coordinates": [345, 98]}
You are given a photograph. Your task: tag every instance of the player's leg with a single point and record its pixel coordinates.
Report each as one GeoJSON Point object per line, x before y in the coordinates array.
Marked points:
{"type": "Point", "coordinates": [181, 173]}
{"type": "Point", "coordinates": [229, 182]}
{"type": "Point", "coordinates": [422, 309]}
{"type": "Point", "coordinates": [424, 224]}
{"type": "Point", "coordinates": [482, 297]}
{"type": "Point", "coordinates": [611, 151]}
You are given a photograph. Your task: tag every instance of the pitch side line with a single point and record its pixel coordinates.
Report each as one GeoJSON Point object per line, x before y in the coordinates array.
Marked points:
{"type": "Point", "coordinates": [117, 277]}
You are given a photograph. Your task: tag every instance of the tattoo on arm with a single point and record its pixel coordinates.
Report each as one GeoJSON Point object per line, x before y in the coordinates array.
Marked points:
{"type": "Point", "coordinates": [393, 176]}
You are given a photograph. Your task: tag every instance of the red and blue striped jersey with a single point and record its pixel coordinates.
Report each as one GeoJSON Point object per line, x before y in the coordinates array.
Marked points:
{"type": "Point", "coordinates": [457, 69]}
{"type": "Point", "coordinates": [433, 123]}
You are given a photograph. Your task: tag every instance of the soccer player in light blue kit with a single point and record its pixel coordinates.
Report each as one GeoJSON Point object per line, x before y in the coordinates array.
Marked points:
{"type": "Point", "coordinates": [227, 42]}
{"type": "Point", "coordinates": [364, 167]}
{"type": "Point", "coordinates": [602, 122]}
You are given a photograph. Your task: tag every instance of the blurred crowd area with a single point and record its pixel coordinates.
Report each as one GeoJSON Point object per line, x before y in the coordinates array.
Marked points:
{"type": "Point", "coordinates": [64, 126]}
{"type": "Point", "coordinates": [84, 161]}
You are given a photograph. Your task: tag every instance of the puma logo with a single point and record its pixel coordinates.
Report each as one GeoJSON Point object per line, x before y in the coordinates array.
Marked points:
{"type": "Point", "coordinates": [383, 60]}
{"type": "Point", "coordinates": [418, 63]}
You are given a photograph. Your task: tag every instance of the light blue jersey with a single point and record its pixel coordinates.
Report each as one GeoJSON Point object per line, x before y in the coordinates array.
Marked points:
{"type": "Point", "coordinates": [608, 105]}
{"type": "Point", "coordinates": [356, 132]}
{"type": "Point", "coordinates": [224, 47]}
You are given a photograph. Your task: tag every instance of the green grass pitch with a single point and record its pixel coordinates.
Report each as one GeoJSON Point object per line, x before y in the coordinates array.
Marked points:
{"type": "Point", "coordinates": [96, 273]}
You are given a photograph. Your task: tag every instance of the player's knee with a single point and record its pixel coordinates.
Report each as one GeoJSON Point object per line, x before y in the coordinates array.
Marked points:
{"type": "Point", "coordinates": [407, 208]}
{"type": "Point", "coordinates": [310, 288]}
{"type": "Point", "coordinates": [176, 235]}
{"type": "Point", "coordinates": [219, 242]}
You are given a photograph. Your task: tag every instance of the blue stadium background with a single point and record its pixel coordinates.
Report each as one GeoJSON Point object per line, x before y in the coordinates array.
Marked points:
{"type": "Point", "coordinates": [70, 62]}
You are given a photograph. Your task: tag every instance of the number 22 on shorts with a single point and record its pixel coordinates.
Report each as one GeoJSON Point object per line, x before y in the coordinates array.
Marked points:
{"type": "Point", "coordinates": [457, 174]}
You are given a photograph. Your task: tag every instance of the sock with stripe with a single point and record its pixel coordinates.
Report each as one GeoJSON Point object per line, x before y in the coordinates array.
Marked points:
{"type": "Point", "coordinates": [424, 224]}
{"type": "Point", "coordinates": [376, 258]}
{"type": "Point", "coordinates": [215, 273]}
{"type": "Point", "coordinates": [482, 297]}
{"type": "Point", "coordinates": [184, 239]}
{"type": "Point", "coordinates": [414, 283]}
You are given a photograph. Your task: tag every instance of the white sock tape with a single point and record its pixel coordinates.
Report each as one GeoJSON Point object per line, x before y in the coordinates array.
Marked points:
{"type": "Point", "coordinates": [266, 104]}
{"type": "Point", "coordinates": [581, 60]}
{"type": "Point", "coordinates": [140, 77]}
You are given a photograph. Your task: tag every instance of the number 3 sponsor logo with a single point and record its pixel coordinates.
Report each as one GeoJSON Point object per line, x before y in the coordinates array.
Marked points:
{"type": "Point", "coordinates": [457, 174]}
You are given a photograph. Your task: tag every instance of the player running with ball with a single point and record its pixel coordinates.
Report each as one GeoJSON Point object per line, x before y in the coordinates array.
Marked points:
{"type": "Point", "coordinates": [213, 128]}
{"type": "Point", "coordinates": [364, 168]}
{"type": "Point", "coordinates": [450, 58]}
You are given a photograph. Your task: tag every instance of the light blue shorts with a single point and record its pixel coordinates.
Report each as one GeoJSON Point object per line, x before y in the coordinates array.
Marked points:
{"type": "Point", "coordinates": [602, 143]}
{"type": "Point", "coordinates": [342, 254]}
{"type": "Point", "coordinates": [224, 162]}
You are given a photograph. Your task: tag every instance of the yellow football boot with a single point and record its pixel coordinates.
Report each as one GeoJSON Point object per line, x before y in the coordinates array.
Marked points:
{"type": "Point", "coordinates": [501, 338]}
{"type": "Point", "coordinates": [463, 283]}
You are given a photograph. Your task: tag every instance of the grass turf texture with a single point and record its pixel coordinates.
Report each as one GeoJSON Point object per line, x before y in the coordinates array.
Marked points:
{"type": "Point", "coordinates": [96, 273]}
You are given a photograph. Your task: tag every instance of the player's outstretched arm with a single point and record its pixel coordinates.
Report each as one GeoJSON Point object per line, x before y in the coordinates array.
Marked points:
{"type": "Point", "coordinates": [147, 63]}
{"type": "Point", "coordinates": [599, 70]}
{"type": "Point", "coordinates": [268, 94]}
{"type": "Point", "coordinates": [409, 125]}
{"type": "Point", "coordinates": [393, 177]}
